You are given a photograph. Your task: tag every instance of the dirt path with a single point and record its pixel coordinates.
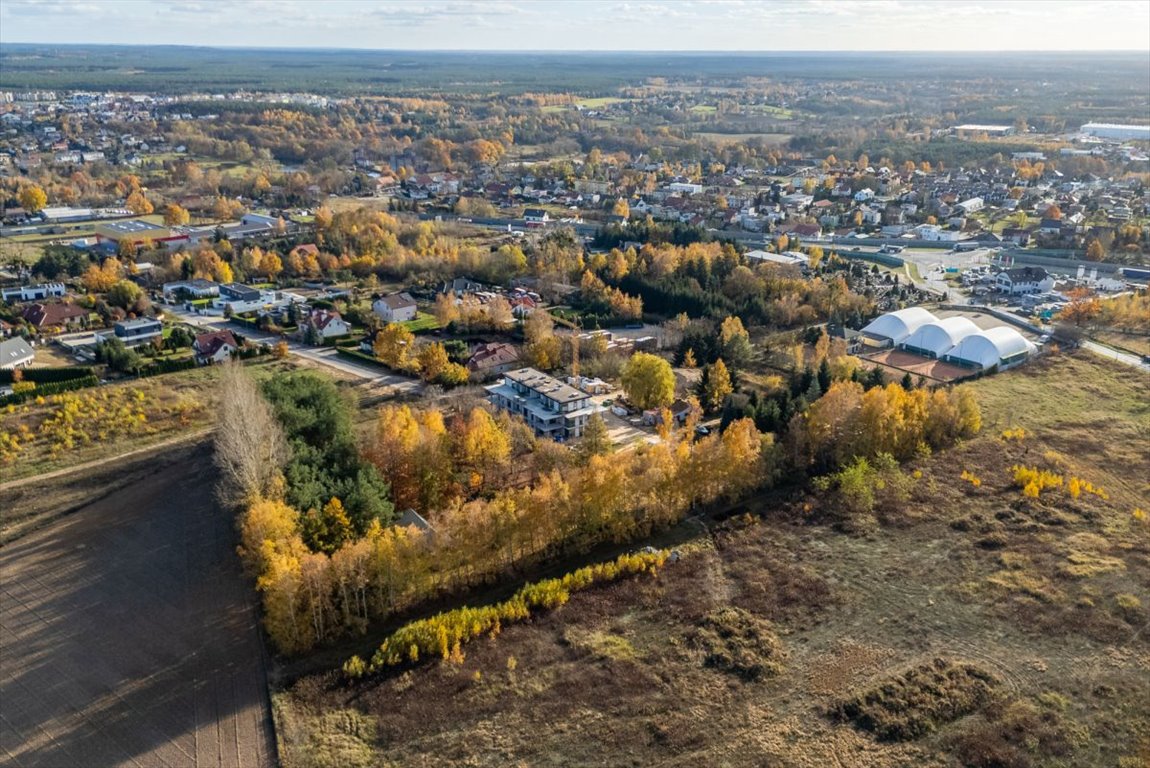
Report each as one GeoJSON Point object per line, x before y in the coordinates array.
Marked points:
{"type": "Point", "coordinates": [186, 437]}
{"type": "Point", "coordinates": [129, 636]}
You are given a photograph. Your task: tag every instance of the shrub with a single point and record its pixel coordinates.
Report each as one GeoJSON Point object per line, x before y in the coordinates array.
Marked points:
{"type": "Point", "coordinates": [740, 643]}
{"type": "Point", "coordinates": [354, 668]}
{"type": "Point", "coordinates": [444, 634]}
{"type": "Point", "coordinates": [918, 701]}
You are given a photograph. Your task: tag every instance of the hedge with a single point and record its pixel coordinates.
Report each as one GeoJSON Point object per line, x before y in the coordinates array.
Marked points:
{"type": "Point", "coordinates": [53, 388]}
{"type": "Point", "coordinates": [167, 366]}
{"type": "Point", "coordinates": [48, 375]}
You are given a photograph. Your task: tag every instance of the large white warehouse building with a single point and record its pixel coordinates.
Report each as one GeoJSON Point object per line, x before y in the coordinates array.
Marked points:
{"type": "Point", "coordinates": [893, 328]}
{"type": "Point", "coordinates": [937, 338]}
{"type": "Point", "coordinates": [1115, 131]}
{"type": "Point", "coordinates": [955, 339]}
{"type": "Point", "coordinates": [1001, 346]}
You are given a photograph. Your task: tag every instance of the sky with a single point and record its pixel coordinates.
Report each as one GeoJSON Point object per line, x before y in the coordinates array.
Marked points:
{"type": "Point", "coordinates": [619, 25]}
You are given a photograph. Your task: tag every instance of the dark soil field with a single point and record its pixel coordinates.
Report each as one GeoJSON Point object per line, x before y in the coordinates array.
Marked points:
{"type": "Point", "coordinates": [970, 627]}
{"type": "Point", "coordinates": [128, 634]}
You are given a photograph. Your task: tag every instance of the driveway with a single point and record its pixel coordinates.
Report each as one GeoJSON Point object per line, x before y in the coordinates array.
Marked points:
{"type": "Point", "coordinates": [129, 635]}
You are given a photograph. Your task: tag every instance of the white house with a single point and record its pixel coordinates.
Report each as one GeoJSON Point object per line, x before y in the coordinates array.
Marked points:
{"type": "Point", "coordinates": [686, 188]}
{"type": "Point", "coordinates": [395, 307]}
{"type": "Point", "coordinates": [15, 353]}
{"type": "Point", "coordinates": [33, 292]}
{"type": "Point", "coordinates": [935, 233]}
{"type": "Point", "coordinates": [535, 216]}
{"type": "Point", "coordinates": [323, 324]}
{"type": "Point", "coordinates": [971, 206]}
{"type": "Point", "coordinates": [214, 347]}
{"type": "Point", "coordinates": [1020, 280]}
{"type": "Point", "coordinates": [863, 195]}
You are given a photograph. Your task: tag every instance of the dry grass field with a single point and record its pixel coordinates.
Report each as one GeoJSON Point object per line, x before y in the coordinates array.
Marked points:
{"type": "Point", "coordinates": [972, 627]}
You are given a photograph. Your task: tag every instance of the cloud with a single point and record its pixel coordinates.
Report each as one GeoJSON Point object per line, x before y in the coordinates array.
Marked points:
{"type": "Point", "coordinates": [589, 24]}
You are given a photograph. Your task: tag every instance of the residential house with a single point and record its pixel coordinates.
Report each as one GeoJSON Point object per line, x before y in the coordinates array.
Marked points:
{"type": "Point", "coordinates": [33, 292]}
{"type": "Point", "coordinates": [214, 347]}
{"type": "Point", "coordinates": [549, 406]}
{"type": "Point", "coordinates": [1021, 280]}
{"type": "Point", "coordinates": [679, 409]}
{"type": "Point", "coordinates": [461, 286]}
{"type": "Point", "coordinates": [412, 519]}
{"type": "Point", "coordinates": [973, 205]}
{"type": "Point", "coordinates": [492, 359]}
{"type": "Point", "coordinates": [535, 217]}
{"type": "Point", "coordinates": [238, 293]}
{"type": "Point", "coordinates": [1016, 235]}
{"type": "Point", "coordinates": [523, 305]}
{"type": "Point", "coordinates": [322, 324]}
{"type": "Point", "coordinates": [53, 317]}
{"type": "Point", "coordinates": [305, 250]}
{"type": "Point", "coordinates": [15, 353]}
{"type": "Point", "coordinates": [138, 331]}
{"type": "Point", "coordinates": [395, 307]}
{"type": "Point", "coordinates": [197, 288]}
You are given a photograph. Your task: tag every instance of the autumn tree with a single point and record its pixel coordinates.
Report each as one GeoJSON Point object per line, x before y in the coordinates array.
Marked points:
{"type": "Point", "coordinates": [100, 279]}
{"type": "Point", "coordinates": [1082, 307]}
{"type": "Point", "coordinates": [32, 198]}
{"type": "Point", "coordinates": [715, 385]}
{"type": "Point", "coordinates": [124, 294]}
{"type": "Point", "coordinates": [251, 449]}
{"type": "Point", "coordinates": [648, 381]}
{"type": "Point", "coordinates": [176, 215]}
{"type": "Point", "coordinates": [542, 348]}
{"type": "Point", "coordinates": [394, 347]}
{"type": "Point", "coordinates": [596, 440]}
{"type": "Point", "coordinates": [270, 264]}
{"type": "Point", "coordinates": [484, 446]}
{"type": "Point", "coordinates": [1095, 251]}
{"type": "Point", "coordinates": [138, 204]}
{"type": "Point", "coordinates": [433, 361]}
{"type": "Point", "coordinates": [735, 343]}
{"type": "Point", "coordinates": [621, 208]}
{"type": "Point", "coordinates": [445, 310]}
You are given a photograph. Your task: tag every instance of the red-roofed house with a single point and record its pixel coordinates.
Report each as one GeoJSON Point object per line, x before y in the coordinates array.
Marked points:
{"type": "Point", "coordinates": [214, 347]}
{"type": "Point", "coordinates": [50, 317]}
{"type": "Point", "coordinates": [322, 324]}
{"type": "Point", "coordinates": [492, 359]}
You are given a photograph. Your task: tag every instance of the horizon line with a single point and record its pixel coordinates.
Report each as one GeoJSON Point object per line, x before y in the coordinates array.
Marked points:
{"type": "Point", "coordinates": [674, 52]}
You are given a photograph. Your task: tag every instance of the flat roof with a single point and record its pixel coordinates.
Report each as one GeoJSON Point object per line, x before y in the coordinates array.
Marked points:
{"type": "Point", "coordinates": [140, 322]}
{"type": "Point", "coordinates": [130, 226]}
{"type": "Point", "coordinates": [545, 385]}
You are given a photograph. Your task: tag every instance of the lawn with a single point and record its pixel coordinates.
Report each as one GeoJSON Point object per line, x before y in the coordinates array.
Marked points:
{"type": "Point", "coordinates": [600, 102]}
{"type": "Point", "coordinates": [776, 139]}
{"type": "Point", "coordinates": [422, 323]}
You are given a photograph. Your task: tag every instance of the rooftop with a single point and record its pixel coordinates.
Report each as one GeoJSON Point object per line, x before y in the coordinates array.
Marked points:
{"type": "Point", "coordinates": [131, 226]}
{"type": "Point", "coordinates": [545, 385]}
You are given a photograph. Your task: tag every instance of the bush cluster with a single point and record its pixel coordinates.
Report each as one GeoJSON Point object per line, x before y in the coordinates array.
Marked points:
{"type": "Point", "coordinates": [444, 634]}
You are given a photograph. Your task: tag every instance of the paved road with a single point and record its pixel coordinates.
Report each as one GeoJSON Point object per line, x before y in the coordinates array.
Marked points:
{"type": "Point", "coordinates": [128, 635]}
{"type": "Point", "coordinates": [1122, 357]}
{"type": "Point", "coordinates": [322, 355]}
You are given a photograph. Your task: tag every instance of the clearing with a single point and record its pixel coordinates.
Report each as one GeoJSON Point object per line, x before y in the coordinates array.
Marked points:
{"type": "Point", "coordinates": [972, 626]}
